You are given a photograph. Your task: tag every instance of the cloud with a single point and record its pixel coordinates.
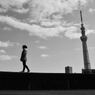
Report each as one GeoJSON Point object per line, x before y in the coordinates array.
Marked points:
{"type": "Point", "coordinates": [50, 9]}
{"type": "Point", "coordinates": [33, 29]}
{"type": "Point", "coordinates": [46, 17]}
{"type": "Point", "coordinates": [44, 55]}
{"type": "Point", "coordinates": [7, 28]}
{"type": "Point", "coordinates": [44, 32]}
{"type": "Point", "coordinates": [8, 3]}
{"type": "Point", "coordinates": [37, 41]}
{"type": "Point", "coordinates": [74, 33]}
{"type": "Point", "coordinates": [7, 44]}
{"type": "Point", "coordinates": [2, 10]}
{"type": "Point", "coordinates": [91, 10]}
{"type": "Point", "coordinates": [42, 7]}
{"type": "Point", "coordinates": [14, 5]}
{"type": "Point", "coordinates": [90, 31]}
{"type": "Point", "coordinates": [23, 10]}
{"type": "Point", "coordinates": [2, 51]}
{"type": "Point", "coordinates": [6, 57]}
{"type": "Point", "coordinates": [42, 47]}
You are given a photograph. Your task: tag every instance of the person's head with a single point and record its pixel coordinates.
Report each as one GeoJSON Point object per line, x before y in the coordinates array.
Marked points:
{"type": "Point", "coordinates": [24, 46]}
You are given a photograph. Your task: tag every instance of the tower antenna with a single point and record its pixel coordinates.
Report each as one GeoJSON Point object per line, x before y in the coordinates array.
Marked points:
{"type": "Point", "coordinates": [80, 12]}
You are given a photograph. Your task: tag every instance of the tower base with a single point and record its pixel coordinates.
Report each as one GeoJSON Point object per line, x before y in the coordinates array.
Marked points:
{"type": "Point", "coordinates": [87, 71]}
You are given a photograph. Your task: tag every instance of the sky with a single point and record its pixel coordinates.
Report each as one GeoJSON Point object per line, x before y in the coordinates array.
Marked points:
{"type": "Point", "coordinates": [50, 29]}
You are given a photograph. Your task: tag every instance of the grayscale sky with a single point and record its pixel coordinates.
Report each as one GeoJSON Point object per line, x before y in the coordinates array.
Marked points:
{"type": "Point", "coordinates": [50, 29]}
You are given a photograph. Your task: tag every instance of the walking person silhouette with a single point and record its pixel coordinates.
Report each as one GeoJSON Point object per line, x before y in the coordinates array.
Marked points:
{"type": "Point", "coordinates": [23, 58]}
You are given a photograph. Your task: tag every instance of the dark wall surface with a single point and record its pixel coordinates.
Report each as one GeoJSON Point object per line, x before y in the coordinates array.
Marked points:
{"type": "Point", "coordinates": [46, 81]}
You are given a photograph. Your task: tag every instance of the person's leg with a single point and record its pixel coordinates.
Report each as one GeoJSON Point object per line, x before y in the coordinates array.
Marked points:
{"type": "Point", "coordinates": [27, 67]}
{"type": "Point", "coordinates": [23, 66]}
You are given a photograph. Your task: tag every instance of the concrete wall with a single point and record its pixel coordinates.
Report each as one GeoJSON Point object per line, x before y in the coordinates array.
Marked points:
{"type": "Point", "coordinates": [46, 81]}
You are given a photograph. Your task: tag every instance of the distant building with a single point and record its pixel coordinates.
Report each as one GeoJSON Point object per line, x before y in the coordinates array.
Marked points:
{"type": "Point", "coordinates": [68, 70]}
{"type": "Point", "coordinates": [91, 71]}
{"type": "Point", "coordinates": [88, 71]}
